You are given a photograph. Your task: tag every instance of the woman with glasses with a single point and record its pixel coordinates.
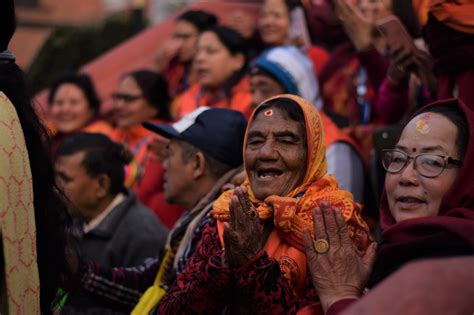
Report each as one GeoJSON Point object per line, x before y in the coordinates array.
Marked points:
{"type": "Point", "coordinates": [74, 106]}
{"type": "Point", "coordinates": [141, 96]}
{"type": "Point", "coordinates": [427, 209]}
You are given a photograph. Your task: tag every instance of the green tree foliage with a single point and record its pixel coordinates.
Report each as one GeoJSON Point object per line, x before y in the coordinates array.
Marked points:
{"type": "Point", "coordinates": [69, 48]}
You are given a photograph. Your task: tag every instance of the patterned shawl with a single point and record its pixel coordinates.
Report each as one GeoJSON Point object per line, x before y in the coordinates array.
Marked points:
{"type": "Point", "coordinates": [292, 213]}
{"type": "Point", "coordinates": [17, 217]}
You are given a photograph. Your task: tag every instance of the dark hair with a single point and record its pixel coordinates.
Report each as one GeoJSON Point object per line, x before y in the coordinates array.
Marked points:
{"type": "Point", "coordinates": [155, 90]}
{"type": "Point", "coordinates": [52, 220]}
{"type": "Point", "coordinates": [82, 81]}
{"type": "Point", "coordinates": [102, 156]}
{"type": "Point", "coordinates": [457, 117]}
{"type": "Point", "coordinates": [235, 43]}
{"type": "Point", "coordinates": [289, 107]}
{"type": "Point", "coordinates": [292, 4]}
{"type": "Point", "coordinates": [216, 167]}
{"type": "Point", "coordinates": [8, 25]}
{"type": "Point", "coordinates": [202, 20]}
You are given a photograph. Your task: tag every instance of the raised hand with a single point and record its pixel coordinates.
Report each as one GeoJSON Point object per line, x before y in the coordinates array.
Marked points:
{"type": "Point", "coordinates": [242, 236]}
{"type": "Point", "coordinates": [165, 54]}
{"type": "Point", "coordinates": [402, 62]}
{"type": "Point", "coordinates": [337, 269]}
{"type": "Point", "coordinates": [423, 69]}
{"type": "Point", "coordinates": [357, 26]}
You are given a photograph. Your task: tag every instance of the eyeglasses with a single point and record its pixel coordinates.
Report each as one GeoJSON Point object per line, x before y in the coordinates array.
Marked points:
{"type": "Point", "coordinates": [426, 164]}
{"type": "Point", "coordinates": [127, 98]}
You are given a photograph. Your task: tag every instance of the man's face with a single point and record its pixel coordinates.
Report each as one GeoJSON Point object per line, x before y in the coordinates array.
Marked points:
{"type": "Point", "coordinates": [178, 176]}
{"type": "Point", "coordinates": [77, 185]}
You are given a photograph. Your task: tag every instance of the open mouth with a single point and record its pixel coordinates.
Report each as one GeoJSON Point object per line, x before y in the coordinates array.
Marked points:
{"type": "Point", "coordinates": [410, 200]}
{"type": "Point", "coordinates": [265, 173]}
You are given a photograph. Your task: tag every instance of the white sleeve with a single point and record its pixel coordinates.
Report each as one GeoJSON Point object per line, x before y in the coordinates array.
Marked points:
{"type": "Point", "coordinates": [345, 164]}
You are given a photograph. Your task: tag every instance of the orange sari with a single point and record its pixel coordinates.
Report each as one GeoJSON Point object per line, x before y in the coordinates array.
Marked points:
{"type": "Point", "coordinates": [292, 214]}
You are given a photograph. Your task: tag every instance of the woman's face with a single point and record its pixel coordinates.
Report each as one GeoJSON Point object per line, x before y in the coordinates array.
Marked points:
{"type": "Point", "coordinates": [214, 62]}
{"type": "Point", "coordinates": [411, 195]}
{"type": "Point", "coordinates": [186, 34]}
{"type": "Point", "coordinates": [274, 22]}
{"type": "Point", "coordinates": [129, 106]}
{"type": "Point", "coordinates": [263, 87]}
{"type": "Point", "coordinates": [275, 154]}
{"type": "Point", "coordinates": [70, 110]}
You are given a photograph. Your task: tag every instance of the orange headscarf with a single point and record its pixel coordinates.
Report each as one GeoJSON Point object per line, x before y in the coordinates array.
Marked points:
{"type": "Point", "coordinates": [293, 213]}
{"type": "Point", "coordinates": [455, 14]}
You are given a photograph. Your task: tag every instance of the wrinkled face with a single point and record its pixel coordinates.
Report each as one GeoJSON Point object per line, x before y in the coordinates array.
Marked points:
{"type": "Point", "coordinates": [274, 22]}
{"type": "Point", "coordinates": [186, 34]}
{"type": "Point", "coordinates": [214, 62]}
{"type": "Point", "coordinates": [375, 9]}
{"type": "Point", "coordinates": [131, 108]}
{"type": "Point", "coordinates": [70, 110]}
{"type": "Point", "coordinates": [409, 194]}
{"type": "Point", "coordinates": [275, 154]}
{"type": "Point", "coordinates": [263, 87]}
{"type": "Point", "coordinates": [77, 185]}
{"type": "Point", "coordinates": [177, 173]}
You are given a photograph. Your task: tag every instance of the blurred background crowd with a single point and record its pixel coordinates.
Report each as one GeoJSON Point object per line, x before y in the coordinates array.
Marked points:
{"type": "Point", "coordinates": [99, 69]}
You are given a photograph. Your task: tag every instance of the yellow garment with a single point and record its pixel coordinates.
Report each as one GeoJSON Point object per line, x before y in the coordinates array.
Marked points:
{"type": "Point", "coordinates": [153, 294]}
{"type": "Point", "coordinates": [17, 220]}
{"type": "Point", "coordinates": [292, 214]}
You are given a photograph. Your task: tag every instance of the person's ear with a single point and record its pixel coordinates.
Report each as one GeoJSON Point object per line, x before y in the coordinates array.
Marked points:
{"type": "Point", "coordinates": [103, 184]}
{"type": "Point", "coordinates": [199, 165]}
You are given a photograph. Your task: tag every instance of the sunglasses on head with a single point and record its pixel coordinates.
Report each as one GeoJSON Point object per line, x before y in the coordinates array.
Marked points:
{"type": "Point", "coordinates": [125, 97]}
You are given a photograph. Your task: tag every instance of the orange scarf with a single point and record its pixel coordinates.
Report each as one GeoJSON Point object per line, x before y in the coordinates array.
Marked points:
{"type": "Point", "coordinates": [240, 98]}
{"type": "Point", "coordinates": [292, 214]}
{"type": "Point", "coordinates": [136, 139]}
{"type": "Point", "coordinates": [99, 126]}
{"type": "Point", "coordinates": [458, 15]}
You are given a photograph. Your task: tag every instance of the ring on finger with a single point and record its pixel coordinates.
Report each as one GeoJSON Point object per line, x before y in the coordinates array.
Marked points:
{"type": "Point", "coordinates": [321, 246]}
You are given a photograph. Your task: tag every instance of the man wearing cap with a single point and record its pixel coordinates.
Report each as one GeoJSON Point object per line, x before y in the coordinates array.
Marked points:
{"type": "Point", "coordinates": [204, 153]}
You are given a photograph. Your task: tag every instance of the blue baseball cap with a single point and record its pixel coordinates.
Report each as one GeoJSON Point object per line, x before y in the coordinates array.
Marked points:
{"type": "Point", "coordinates": [218, 132]}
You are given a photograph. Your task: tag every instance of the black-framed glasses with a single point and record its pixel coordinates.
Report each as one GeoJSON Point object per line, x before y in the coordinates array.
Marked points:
{"type": "Point", "coordinates": [127, 98]}
{"type": "Point", "coordinates": [426, 164]}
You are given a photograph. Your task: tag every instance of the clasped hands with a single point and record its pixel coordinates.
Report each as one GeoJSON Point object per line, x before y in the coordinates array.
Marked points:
{"type": "Point", "coordinates": [243, 234]}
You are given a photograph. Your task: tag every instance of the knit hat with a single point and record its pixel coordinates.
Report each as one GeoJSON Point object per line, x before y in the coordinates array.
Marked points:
{"type": "Point", "coordinates": [292, 69]}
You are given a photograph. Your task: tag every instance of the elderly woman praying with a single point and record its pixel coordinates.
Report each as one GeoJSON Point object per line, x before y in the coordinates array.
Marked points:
{"type": "Point", "coordinates": [250, 256]}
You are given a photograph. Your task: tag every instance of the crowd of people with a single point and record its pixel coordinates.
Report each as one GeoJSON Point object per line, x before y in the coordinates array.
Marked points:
{"type": "Point", "coordinates": [234, 176]}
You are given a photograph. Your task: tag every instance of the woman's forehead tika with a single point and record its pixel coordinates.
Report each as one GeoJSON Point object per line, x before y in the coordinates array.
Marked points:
{"type": "Point", "coordinates": [422, 125]}
{"type": "Point", "coordinates": [268, 112]}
